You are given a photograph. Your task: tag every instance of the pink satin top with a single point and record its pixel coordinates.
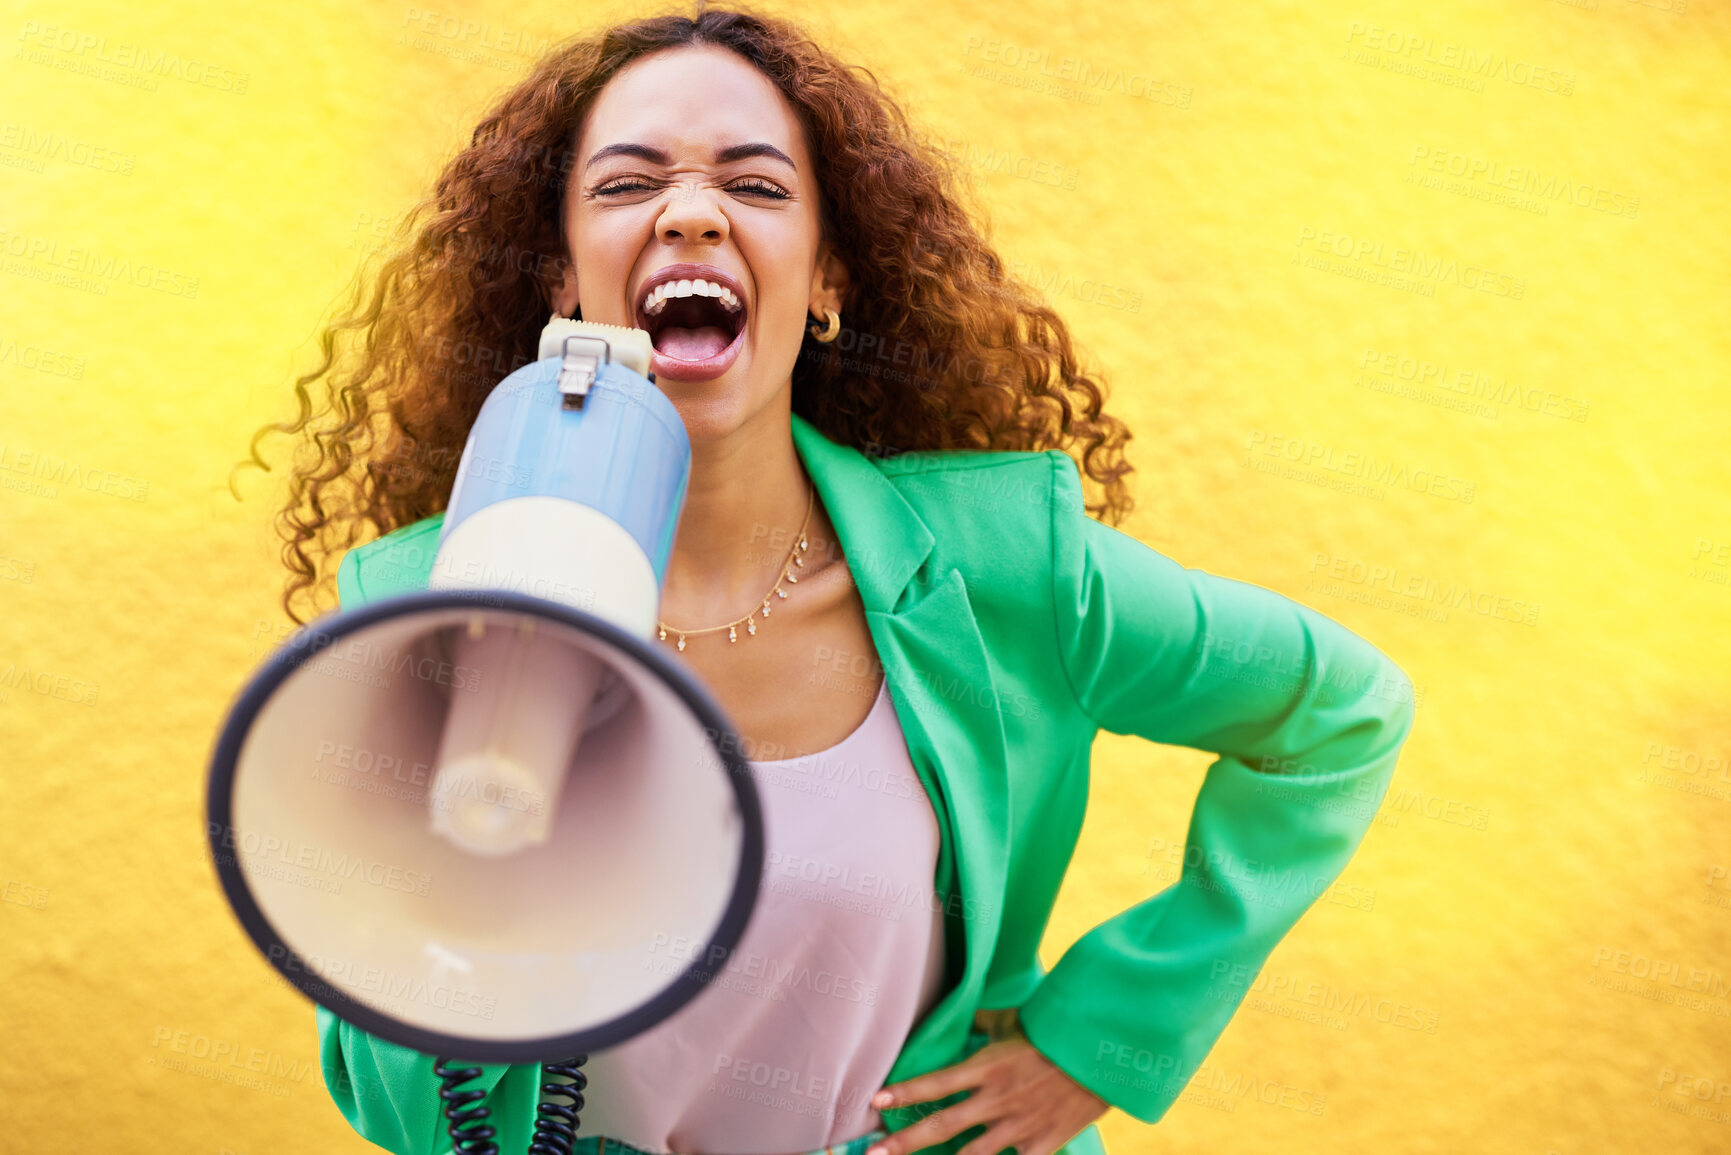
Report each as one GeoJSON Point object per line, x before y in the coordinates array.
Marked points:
{"type": "Point", "coordinates": [783, 1051]}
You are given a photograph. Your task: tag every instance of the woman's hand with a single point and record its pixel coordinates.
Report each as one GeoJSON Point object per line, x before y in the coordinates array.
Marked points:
{"type": "Point", "coordinates": [1021, 1096]}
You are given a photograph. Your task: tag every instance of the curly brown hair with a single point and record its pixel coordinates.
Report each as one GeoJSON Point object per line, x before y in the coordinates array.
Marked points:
{"type": "Point", "coordinates": [465, 287]}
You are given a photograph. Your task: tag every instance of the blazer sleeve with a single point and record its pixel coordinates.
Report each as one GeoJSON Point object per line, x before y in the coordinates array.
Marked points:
{"type": "Point", "coordinates": [1307, 719]}
{"type": "Point", "coordinates": [388, 1092]}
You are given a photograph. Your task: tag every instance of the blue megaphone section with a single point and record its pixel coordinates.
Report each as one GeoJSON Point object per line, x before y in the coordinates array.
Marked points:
{"type": "Point", "coordinates": [625, 453]}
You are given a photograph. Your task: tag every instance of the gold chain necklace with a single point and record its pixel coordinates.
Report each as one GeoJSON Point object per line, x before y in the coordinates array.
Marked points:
{"type": "Point", "coordinates": [795, 560]}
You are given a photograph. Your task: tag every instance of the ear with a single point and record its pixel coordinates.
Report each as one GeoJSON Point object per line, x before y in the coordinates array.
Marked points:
{"type": "Point", "coordinates": [829, 282]}
{"type": "Point", "coordinates": [565, 298]}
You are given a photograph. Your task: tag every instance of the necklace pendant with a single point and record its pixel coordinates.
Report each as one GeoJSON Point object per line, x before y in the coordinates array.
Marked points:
{"type": "Point", "coordinates": [789, 574]}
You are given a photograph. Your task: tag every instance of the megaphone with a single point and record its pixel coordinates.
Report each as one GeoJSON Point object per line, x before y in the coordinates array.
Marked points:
{"type": "Point", "coordinates": [464, 818]}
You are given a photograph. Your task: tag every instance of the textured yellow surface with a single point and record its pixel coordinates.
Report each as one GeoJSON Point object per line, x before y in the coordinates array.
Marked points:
{"type": "Point", "coordinates": [1483, 241]}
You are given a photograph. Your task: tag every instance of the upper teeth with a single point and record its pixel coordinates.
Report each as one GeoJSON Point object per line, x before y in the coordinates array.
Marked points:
{"type": "Point", "coordinates": [696, 287]}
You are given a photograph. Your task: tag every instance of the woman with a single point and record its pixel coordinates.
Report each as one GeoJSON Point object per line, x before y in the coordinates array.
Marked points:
{"type": "Point", "coordinates": [950, 615]}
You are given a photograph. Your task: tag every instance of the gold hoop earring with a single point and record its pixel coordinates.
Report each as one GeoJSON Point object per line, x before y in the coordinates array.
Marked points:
{"type": "Point", "coordinates": [830, 333]}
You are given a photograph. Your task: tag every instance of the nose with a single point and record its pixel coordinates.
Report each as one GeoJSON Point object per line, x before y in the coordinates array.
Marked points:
{"type": "Point", "coordinates": [692, 214]}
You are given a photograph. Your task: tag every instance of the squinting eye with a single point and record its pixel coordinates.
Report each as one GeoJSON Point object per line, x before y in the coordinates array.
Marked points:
{"type": "Point", "coordinates": [762, 188]}
{"type": "Point", "coordinates": [765, 188]}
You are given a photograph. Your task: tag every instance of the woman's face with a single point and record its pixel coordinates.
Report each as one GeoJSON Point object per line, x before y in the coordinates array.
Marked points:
{"type": "Point", "coordinates": [692, 157]}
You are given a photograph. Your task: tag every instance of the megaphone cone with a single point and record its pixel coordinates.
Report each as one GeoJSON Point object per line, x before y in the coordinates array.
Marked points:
{"type": "Point", "coordinates": [470, 819]}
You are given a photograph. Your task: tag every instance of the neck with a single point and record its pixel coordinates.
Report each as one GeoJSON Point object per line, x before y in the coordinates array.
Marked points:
{"type": "Point", "coordinates": [747, 497]}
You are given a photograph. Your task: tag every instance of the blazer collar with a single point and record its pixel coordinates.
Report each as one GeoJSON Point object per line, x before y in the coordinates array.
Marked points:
{"type": "Point", "coordinates": [885, 540]}
{"type": "Point", "coordinates": [941, 684]}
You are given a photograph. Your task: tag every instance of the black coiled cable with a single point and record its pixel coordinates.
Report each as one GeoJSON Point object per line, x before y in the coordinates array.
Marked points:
{"type": "Point", "coordinates": [470, 1134]}
{"type": "Point", "coordinates": [555, 1123]}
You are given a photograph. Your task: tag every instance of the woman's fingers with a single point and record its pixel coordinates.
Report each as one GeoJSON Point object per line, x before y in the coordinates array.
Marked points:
{"type": "Point", "coordinates": [935, 1085]}
{"type": "Point", "coordinates": [995, 1140]}
{"type": "Point", "coordinates": [941, 1124]}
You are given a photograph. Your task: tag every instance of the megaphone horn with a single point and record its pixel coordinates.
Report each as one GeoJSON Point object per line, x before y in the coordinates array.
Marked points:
{"type": "Point", "coordinates": [463, 818]}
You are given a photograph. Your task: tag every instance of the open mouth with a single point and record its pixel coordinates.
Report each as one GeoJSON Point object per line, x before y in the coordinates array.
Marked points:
{"type": "Point", "coordinates": [691, 320]}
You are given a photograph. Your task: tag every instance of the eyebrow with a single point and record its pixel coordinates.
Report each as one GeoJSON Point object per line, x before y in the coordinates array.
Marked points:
{"type": "Point", "coordinates": [726, 155]}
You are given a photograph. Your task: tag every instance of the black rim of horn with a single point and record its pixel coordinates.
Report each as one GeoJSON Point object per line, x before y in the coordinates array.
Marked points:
{"type": "Point", "coordinates": [317, 636]}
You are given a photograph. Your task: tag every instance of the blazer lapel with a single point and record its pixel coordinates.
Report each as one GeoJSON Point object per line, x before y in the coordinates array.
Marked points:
{"type": "Point", "coordinates": [940, 683]}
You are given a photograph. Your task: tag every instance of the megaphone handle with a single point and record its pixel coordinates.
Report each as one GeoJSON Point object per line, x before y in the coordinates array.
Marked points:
{"type": "Point", "coordinates": [555, 1123]}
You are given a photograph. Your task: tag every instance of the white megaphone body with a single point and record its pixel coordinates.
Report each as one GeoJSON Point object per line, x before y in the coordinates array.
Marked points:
{"type": "Point", "coordinates": [471, 819]}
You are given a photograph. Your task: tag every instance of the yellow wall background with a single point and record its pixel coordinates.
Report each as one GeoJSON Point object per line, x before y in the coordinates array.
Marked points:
{"type": "Point", "coordinates": [1545, 890]}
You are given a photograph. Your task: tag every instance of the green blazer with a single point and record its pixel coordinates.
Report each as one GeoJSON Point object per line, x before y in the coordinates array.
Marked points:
{"type": "Point", "coordinates": [1012, 628]}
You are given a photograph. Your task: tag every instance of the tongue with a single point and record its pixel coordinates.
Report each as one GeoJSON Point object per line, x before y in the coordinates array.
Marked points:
{"type": "Point", "coordinates": [692, 344]}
